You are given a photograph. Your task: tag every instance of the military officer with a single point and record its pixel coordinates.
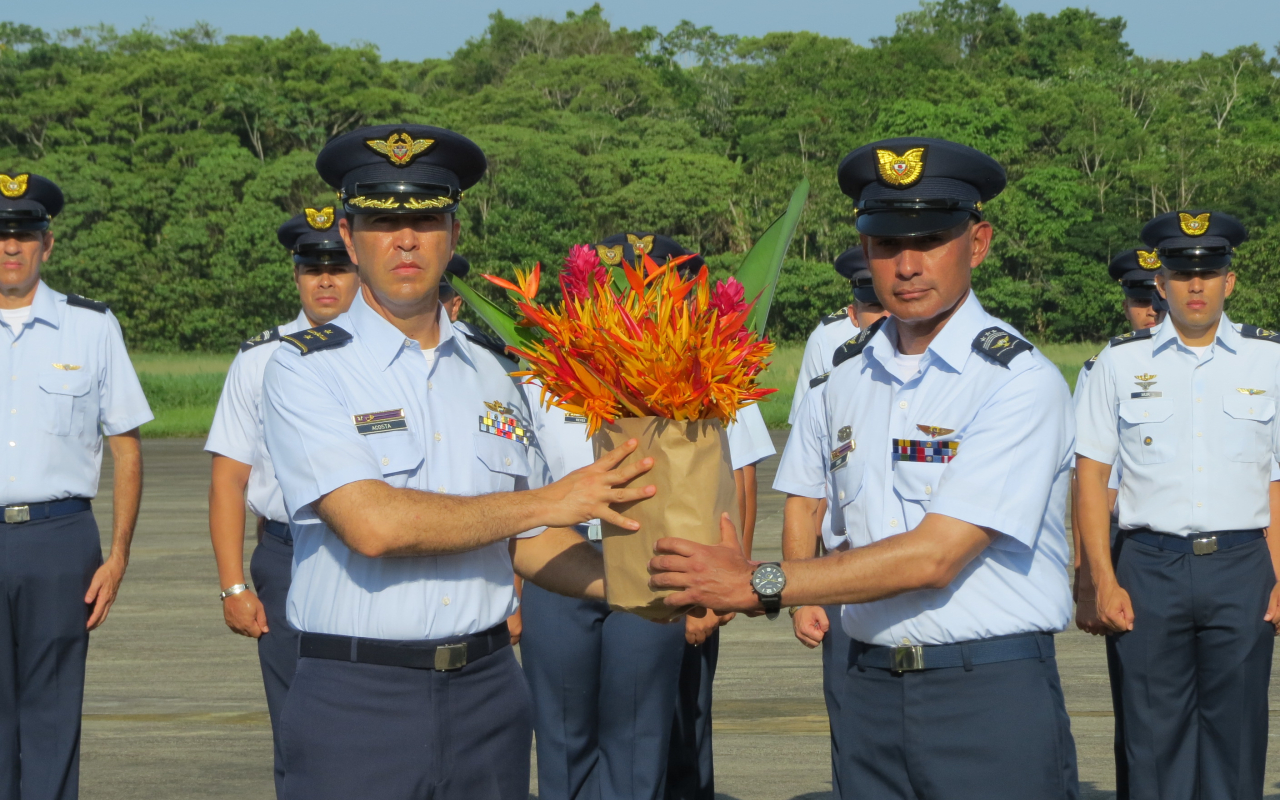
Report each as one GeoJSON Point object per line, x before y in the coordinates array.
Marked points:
{"type": "Point", "coordinates": [837, 327]}
{"type": "Point", "coordinates": [1187, 409]}
{"type": "Point", "coordinates": [949, 446]}
{"type": "Point", "coordinates": [69, 383]}
{"type": "Point", "coordinates": [242, 469]}
{"type": "Point", "coordinates": [404, 456]}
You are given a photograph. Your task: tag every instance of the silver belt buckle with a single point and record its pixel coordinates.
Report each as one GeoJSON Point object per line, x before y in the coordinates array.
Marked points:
{"type": "Point", "coordinates": [1204, 545]}
{"type": "Point", "coordinates": [907, 658]}
{"type": "Point", "coordinates": [451, 656]}
{"type": "Point", "coordinates": [15, 514]}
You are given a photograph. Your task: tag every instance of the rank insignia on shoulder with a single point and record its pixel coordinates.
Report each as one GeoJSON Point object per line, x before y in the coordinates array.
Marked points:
{"type": "Point", "coordinates": [380, 422]}
{"type": "Point", "coordinates": [920, 451]}
{"type": "Point", "coordinates": [504, 425]}
{"type": "Point", "coordinates": [835, 316]}
{"type": "Point", "coordinates": [819, 380]}
{"type": "Point", "coordinates": [1254, 332]}
{"type": "Point", "coordinates": [857, 344]}
{"type": "Point", "coordinates": [1131, 336]}
{"type": "Point", "coordinates": [321, 337]}
{"type": "Point", "coordinates": [1088, 365]}
{"type": "Point", "coordinates": [1000, 345]}
{"type": "Point", "coordinates": [490, 343]}
{"type": "Point", "coordinates": [84, 302]}
{"type": "Point", "coordinates": [272, 335]}
{"type": "Point", "coordinates": [933, 431]}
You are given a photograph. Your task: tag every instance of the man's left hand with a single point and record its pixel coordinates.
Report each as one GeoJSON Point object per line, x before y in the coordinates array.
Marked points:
{"type": "Point", "coordinates": [102, 591]}
{"type": "Point", "coordinates": [717, 577]}
{"type": "Point", "coordinates": [1273, 608]}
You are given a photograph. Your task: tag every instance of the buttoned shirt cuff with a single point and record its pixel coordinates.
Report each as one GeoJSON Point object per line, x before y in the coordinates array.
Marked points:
{"type": "Point", "coordinates": [1096, 452]}
{"type": "Point", "coordinates": [127, 425]}
{"type": "Point", "coordinates": [801, 489]}
{"type": "Point", "coordinates": [1013, 537]}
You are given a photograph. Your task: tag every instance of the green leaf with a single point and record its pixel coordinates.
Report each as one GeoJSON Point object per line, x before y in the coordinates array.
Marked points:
{"type": "Point", "coordinates": [502, 323]}
{"type": "Point", "coordinates": [759, 271]}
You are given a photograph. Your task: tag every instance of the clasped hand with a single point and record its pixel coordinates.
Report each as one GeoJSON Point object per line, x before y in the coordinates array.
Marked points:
{"type": "Point", "coordinates": [717, 577]}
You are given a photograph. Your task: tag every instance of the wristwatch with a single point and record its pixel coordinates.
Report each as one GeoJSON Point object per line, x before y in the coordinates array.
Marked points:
{"type": "Point", "coordinates": [232, 590]}
{"type": "Point", "coordinates": [768, 581]}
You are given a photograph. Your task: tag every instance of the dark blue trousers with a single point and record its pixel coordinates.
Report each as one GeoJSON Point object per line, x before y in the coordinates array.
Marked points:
{"type": "Point", "coordinates": [1195, 670]}
{"type": "Point", "coordinates": [45, 569]}
{"type": "Point", "coordinates": [604, 696]}
{"type": "Point", "coordinates": [690, 766]}
{"type": "Point", "coordinates": [364, 730]}
{"type": "Point", "coordinates": [997, 732]}
{"type": "Point", "coordinates": [1115, 675]}
{"type": "Point", "coordinates": [271, 569]}
{"type": "Point", "coordinates": [835, 658]}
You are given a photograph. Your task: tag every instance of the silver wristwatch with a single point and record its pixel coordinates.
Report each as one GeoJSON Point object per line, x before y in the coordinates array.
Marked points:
{"type": "Point", "coordinates": [230, 590]}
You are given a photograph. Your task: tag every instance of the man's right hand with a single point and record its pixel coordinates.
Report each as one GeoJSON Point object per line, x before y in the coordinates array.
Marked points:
{"type": "Point", "coordinates": [1115, 609]}
{"type": "Point", "coordinates": [245, 615]}
{"type": "Point", "coordinates": [587, 493]}
{"type": "Point", "coordinates": [811, 625]}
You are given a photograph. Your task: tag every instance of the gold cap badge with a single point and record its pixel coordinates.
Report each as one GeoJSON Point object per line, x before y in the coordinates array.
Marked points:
{"type": "Point", "coordinates": [321, 220]}
{"type": "Point", "coordinates": [640, 244]}
{"type": "Point", "coordinates": [1148, 260]}
{"type": "Point", "coordinates": [901, 170]}
{"type": "Point", "coordinates": [1193, 226]}
{"type": "Point", "coordinates": [13, 187]}
{"type": "Point", "coordinates": [400, 148]}
{"type": "Point", "coordinates": [610, 255]}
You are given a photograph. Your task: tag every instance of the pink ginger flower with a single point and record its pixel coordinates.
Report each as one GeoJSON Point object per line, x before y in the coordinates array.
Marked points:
{"type": "Point", "coordinates": [728, 297]}
{"type": "Point", "coordinates": [582, 270]}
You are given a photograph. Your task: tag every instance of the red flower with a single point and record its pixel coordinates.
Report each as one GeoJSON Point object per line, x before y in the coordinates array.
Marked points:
{"type": "Point", "coordinates": [728, 297]}
{"type": "Point", "coordinates": [582, 269]}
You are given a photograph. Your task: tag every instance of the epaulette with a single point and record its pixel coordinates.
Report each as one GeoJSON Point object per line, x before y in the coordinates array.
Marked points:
{"type": "Point", "coordinates": [999, 345]}
{"type": "Point", "coordinates": [1131, 336]}
{"type": "Point", "coordinates": [818, 381]}
{"type": "Point", "coordinates": [84, 302]}
{"type": "Point", "coordinates": [835, 316]}
{"type": "Point", "coordinates": [272, 335]}
{"type": "Point", "coordinates": [1088, 365]}
{"type": "Point", "coordinates": [1254, 332]}
{"type": "Point", "coordinates": [490, 343]}
{"type": "Point", "coordinates": [321, 337]}
{"type": "Point", "coordinates": [855, 345]}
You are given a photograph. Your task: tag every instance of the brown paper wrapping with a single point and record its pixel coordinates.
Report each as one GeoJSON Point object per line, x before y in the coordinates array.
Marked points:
{"type": "Point", "coordinates": [694, 478]}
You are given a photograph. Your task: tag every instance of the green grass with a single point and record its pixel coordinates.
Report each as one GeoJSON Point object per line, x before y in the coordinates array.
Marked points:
{"type": "Point", "coordinates": [182, 389]}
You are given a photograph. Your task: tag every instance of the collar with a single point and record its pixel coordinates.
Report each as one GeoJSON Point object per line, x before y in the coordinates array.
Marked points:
{"type": "Point", "coordinates": [1166, 334]}
{"type": "Point", "coordinates": [953, 344]}
{"type": "Point", "coordinates": [383, 340]}
{"type": "Point", "coordinates": [45, 306]}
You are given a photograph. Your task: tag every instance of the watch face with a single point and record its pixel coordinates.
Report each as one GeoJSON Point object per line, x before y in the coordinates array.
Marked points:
{"type": "Point", "coordinates": [768, 580]}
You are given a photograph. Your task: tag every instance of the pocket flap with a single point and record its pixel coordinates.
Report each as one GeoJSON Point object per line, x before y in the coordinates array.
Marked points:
{"type": "Point", "coordinates": [502, 455]}
{"type": "Point", "coordinates": [917, 480]}
{"type": "Point", "coordinates": [69, 382]}
{"type": "Point", "coordinates": [1140, 412]}
{"type": "Point", "coordinates": [396, 452]}
{"type": "Point", "coordinates": [1260, 409]}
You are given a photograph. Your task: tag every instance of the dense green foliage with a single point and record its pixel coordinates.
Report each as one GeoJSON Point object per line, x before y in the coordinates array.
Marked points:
{"type": "Point", "coordinates": [181, 153]}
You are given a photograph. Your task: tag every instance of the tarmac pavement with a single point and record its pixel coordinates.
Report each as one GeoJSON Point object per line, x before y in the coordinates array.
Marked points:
{"type": "Point", "coordinates": [174, 706]}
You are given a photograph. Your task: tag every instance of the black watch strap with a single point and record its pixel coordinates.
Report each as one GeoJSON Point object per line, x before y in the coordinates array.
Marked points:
{"type": "Point", "coordinates": [772, 605]}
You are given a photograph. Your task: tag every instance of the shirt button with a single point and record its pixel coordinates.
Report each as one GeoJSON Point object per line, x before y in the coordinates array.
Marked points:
{"type": "Point", "coordinates": [841, 494]}
{"type": "Point", "coordinates": [1198, 433]}
{"type": "Point", "coordinates": [1199, 469]}
{"type": "Point", "coordinates": [893, 523]}
{"type": "Point", "coordinates": [928, 489]}
{"type": "Point", "coordinates": [65, 386]}
{"type": "Point", "coordinates": [13, 377]}
{"type": "Point", "coordinates": [440, 489]}
{"type": "Point", "coordinates": [1199, 399]}
{"type": "Point", "coordinates": [13, 444]}
{"type": "Point", "coordinates": [386, 461]}
{"type": "Point", "coordinates": [438, 436]}
{"type": "Point", "coordinates": [1198, 505]}
{"type": "Point", "coordinates": [508, 460]}
{"type": "Point", "coordinates": [902, 404]}
{"type": "Point", "coordinates": [13, 411]}
{"type": "Point", "coordinates": [905, 640]}
{"type": "Point", "coordinates": [429, 386]}
{"type": "Point", "coordinates": [1145, 414]}
{"type": "Point", "coordinates": [445, 600]}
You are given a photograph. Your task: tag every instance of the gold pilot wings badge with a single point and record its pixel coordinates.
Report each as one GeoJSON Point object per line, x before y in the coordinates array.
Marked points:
{"type": "Point", "coordinates": [400, 148]}
{"type": "Point", "coordinates": [1193, 226]}
{"type": "Point", "coordinates": [934, 431]}
{"type": "Point", "coordinates": [1252, 392]}
{"type": "Point", "coordinates": [13, 187]}
{"type": "Point", "coordinates": [1145, 381]}
{"type": "Point", "coordinates": [903, 170]}
{"type": "Point", "coordinates": [73, 367]}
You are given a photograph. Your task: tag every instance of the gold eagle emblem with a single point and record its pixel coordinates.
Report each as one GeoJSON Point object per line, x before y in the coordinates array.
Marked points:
{"type": "Point", "coordinates": [933, 431]}
{"type": "Point", "coordinates": [1252, 392]}
{"type": "Point", "coordinates": [1193, 226]}
{"type": "Point", "coordinates": [13, 187]}
{"type": "Point", "coordinates": [1149, 260]}
{"type": "Point", "coordinates": [610, 255]}
{"type": "Point", "coordinates": [1145, 381]}
{"type": "Point", "coordinates": [400, 148]}
{"type": "Point", "coordinates": [901, 170]}
{"type": "Point", "coordinates": [640, 244]}
{"type": "Point", "coordinates": [322, 219]}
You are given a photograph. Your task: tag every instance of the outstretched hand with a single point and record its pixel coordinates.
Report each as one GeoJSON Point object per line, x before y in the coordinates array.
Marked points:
{"type": "Point", "coordinates": [717, 577]}
{"type": "Point", "coordinates": [588, 493]}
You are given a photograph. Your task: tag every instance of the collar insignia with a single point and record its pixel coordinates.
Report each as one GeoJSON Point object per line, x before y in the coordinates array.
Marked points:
{"type": "Point", "coordinates": [1193, 226]}
{"type": "Point", "coordinates": [901, 171]}
{"type": "Point", "coordinates": [610, 255]}
{"type": "Point", "coordinates": [1251, 392]}
{"type": "Point", "coordinates": [933, 431]}
{"type": "Point", "coordinates": [322, 219]}
{"type": "Point", "coordinates": [1145, 381]}
{"type": "Point", "coordinates": [13, 187]}
{"type": "Point", "coordinates": [400, 148]}
{"type": "Point", "coordinates": [498, 407]}
{"type": "Point", "coordinates": [74, 367]}
{"type": "Point", "coordinates": [640, 244]}
{"type": "Point", "coordinates": [1148, 260]}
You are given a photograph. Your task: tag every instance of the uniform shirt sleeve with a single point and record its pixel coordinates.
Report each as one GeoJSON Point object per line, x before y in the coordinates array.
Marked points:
{"type": "Point", "coordinates": [1097, 418]}
{"type": "Point", "coordinates": [310, 435]}
{"type": "Point", "coordinates": [1008, 460]}
{"type": "Point", "coordinates": [122, 405]}
{"type": "Point", "coordinates": [810, 367]}
{"type": "Point", "coordinates": [749, 441]}
{"type": "Point", "coordinates": [236, 426]}
{"type": "Point", "coordinates": [802, 470]}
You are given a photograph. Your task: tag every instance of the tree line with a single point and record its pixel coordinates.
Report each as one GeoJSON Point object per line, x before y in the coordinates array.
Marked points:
{"type": "Point", "coordinates": [181, 152]}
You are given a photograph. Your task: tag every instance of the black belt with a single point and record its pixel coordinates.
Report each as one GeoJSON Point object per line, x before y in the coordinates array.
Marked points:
{"type": "Point", "coordinates": [280, 530]}
{"type": "Point", "coordinates": [29, 512]}
{"type": "Point", "coordinates": [440, 654]}
{"type": "Point", "coordinates": [914, 658]}
{"type": "Point", "coordinates": [1200, 544]}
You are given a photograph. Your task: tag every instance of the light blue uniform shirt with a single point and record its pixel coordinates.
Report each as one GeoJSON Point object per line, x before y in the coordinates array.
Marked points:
{"type": "Point", "coordinates": [818, 351]}
{"type": "Point", "coordinates": [237, 424]}
{"type": "Point", "coordinates": [1010, 474]}
{"type": "Point", "coordinates": [803, 469]}
{"type": "Point", "coordinates": [312, 402]}
{"type": "Point", "coordinates": [1196, 435]}
{"type": "Point", "coordinates": [67, 382]}
{"type": "Point", "coordinates": [1082, 377]}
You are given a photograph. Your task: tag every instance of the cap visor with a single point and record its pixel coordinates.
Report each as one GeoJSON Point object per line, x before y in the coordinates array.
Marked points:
{"type": "Point", "coordinates": [1200, 264]}
{"type": "Point", "coordinates": [916, 222]}
{"type": "Point", "coordinates": [866, 294]}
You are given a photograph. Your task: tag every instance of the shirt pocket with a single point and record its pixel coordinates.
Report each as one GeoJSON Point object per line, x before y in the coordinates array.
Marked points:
{"type": "Point", "coordinates": [1147, 430]}
{"type": "Point", "coordinates": [65, 401]}
{"type": "Point", "coordinates": [399, 456]}
{"type": "Point", "coordinates": [915, 482]}
{"type": "Point", "coordinates": [1247, 434]}
{"type": "Point", "coordinates": [499, 462]}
